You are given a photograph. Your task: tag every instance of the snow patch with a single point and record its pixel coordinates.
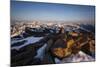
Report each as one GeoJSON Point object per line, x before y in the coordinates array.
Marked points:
{"type": "Point", "coordinates": [80, 57]}
{"type": "Point", "coordinates": [29, 41]}
{"type": "Point", "coordinates": [57, 61]}
{"type": "Point", "coordinates": [41, 52]}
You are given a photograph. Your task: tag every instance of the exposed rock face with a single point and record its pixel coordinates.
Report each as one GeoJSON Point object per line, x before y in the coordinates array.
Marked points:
{"type": "Point", "coordinates": [62, 47]}
{"type": "Point", "coordinates": [61, 52]}
{"type": "Point", "coordinates": [39, 44]}
{"type": "Point", "coordinates": [24, 56]}
{"type": "Point", "coordinates": [50, 47]}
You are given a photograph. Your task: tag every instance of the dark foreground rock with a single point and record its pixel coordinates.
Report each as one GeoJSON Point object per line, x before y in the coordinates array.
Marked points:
{"type": "Point", "coordinates": [56, 47]}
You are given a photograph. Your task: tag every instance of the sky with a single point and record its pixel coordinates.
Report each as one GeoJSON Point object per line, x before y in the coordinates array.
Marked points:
{"type": "Point", "coordinates": [53, 12]}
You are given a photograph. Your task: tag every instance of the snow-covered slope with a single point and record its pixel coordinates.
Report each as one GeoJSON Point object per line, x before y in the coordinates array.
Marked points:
{"type": "Point", "coordinates": [41, 52]}
{"type": "Point", "coordinates": [79, 57]}
{"type": "Point", "coordinates": [28, 40]}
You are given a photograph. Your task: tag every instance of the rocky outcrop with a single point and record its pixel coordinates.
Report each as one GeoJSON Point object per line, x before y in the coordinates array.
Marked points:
{"type": "Point", "coordinates": [51, 47]}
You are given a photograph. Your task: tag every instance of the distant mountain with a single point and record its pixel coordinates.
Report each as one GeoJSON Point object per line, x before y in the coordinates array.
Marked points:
{"type": "Point", "coordinates": [29, 42]}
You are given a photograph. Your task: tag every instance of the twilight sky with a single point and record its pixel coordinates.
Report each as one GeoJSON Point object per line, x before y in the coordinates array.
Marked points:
{"type": "Point", "coordinates": [50, 11]}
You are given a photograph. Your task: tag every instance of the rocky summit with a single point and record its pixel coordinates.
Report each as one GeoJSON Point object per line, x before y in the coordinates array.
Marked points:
{"type": "Point", "coordinates": [51, 45]}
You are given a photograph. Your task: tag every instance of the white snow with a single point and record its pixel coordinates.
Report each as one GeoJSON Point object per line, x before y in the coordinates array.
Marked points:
{"type": "Point", "coordinates": [84, 29]}
{"type": "Point", "coordinates": [57, 61]}
{"type": "Point", "coordinates": [41, 51]}
{"type": "Point", "coordinates": [80, 57]}
{"type": "Point", "coordinates": [29, 41]}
